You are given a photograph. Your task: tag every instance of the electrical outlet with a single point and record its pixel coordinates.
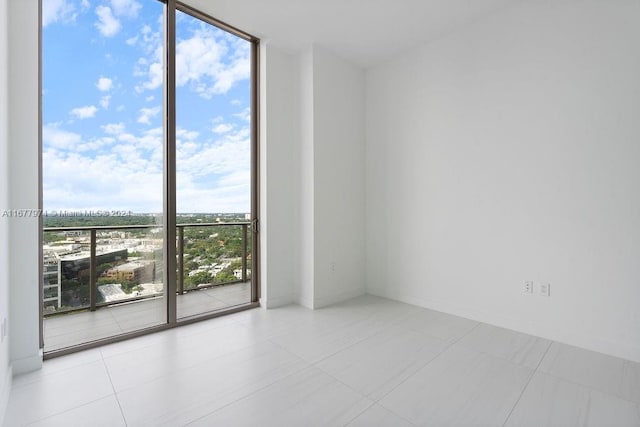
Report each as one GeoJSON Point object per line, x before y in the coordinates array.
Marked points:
{"type": "Point", "coordinates": [545, 289]}
{"type": "Point", "coordinates": [3, 333]}
{"type": "Point", "coordinates": [333, 266]}
{"type": "Point", "coordinates": [527, 288]}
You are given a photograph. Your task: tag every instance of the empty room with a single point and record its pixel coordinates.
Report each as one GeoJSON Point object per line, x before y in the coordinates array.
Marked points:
{"type": "Point", "coordinates": [319, 213]}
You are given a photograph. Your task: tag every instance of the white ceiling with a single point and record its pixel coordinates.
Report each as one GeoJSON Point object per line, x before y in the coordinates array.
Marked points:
{"type": "Point", "coordinates": [364, 31]}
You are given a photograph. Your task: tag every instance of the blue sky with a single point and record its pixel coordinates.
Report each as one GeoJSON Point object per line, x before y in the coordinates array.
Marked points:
{"type": "Point", "coordinates": [102, 109]}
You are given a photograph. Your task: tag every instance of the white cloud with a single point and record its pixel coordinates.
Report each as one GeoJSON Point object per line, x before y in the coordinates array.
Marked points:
{"type": "Point", "coordinates": [150, 98]}
{"type": "Point", "coordinates": [85, 112]}
{"type": "Point", "coordinates": [128, 8]}
{"type": "Point", "coordinates": [238, 70]}
{"type": "Point", "coordinates": [57, 10]}
{"type": "Point", "coordinates": [105, 101]}
{"type": "Point", "coordinates": [147, 39]}
{"type": "Point", "coordinates": [107, 24]}
{"type": "Point", "coordinates": [204, 63]}
{"type": "Point", "coordinates": [212, 176]}
{"type": "Point", "coordinates": [222, 128]}
{"type": "Point", "coordinates": [154, 72]}
{"type": "Point", "coordinates": [104, 84]}
{"type": "Point", "coordinates": [100, 173]}
{"type": "Point", "coordinates": [54, 137]}
{"type": "Point", "coordinates": [113, 128]}
{"type": "Point", "coordinates": [244, 115]}
{"type": "Point", "coordinates": [95, 144]}
{"type": "Point", "coordinates": [146, 114]}
{"type": "Point", "coordinates": [236, 102]}
{"type": "Point", "coordinates": [242, 135]}
{"type": "Point", "coordinates": [85, 4]}
{"type": "Point", "coordinates": [186, 134]}
{"type": "Point", "coordinates": [77, 180]}
{"type": "Point", "coordinates": [228, 155]}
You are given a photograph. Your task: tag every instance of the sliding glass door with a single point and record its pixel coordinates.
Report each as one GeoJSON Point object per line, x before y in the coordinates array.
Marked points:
{"type": "Point", "coordinates": [213, 166]}
{"type": "Point", "coordinates": [149, 169]}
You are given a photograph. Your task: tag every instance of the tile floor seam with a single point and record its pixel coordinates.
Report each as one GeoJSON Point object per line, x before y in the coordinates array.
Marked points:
{"type": "Point", "coordinates": [347, 347]}
{"type": "Point", "coordinates": [537, 369]}
{"type": "Point", "coordinates": [590, 388]}
{"type": "Point", "coordinates": [175, 330]}
{"type": "Point", "coordinates": [46, 375]}
{"type": "Point", "coordinates": [367, 396]}
{"type": "Point", "coordinates": [314, 362]}
{"type": "Point", "coordinates": [115, 393]}
{"type": "Point", "coordinates": [259, 389]}
{"type": "Point", "coordinates": [115, 319]}
{"type": "Point", "coordinates": [125, 352]}
{"type": "Point", "coordinates": [618, 396]}
{"type": "Point", "coordinates": [63, 412]}
{"type": "Point", "coordinates": [444, 349]}
{"type": "Point", "coordinates": [395, 413]}
{"type": "Point", "coordinates": [270, 383]}
{"type": "Point", "coordinates": [359, 414]}
{"type": "Point", "coordinates": [504, 358]}
{"type": "Point", "coordinates": [184, 367]}
{"type": "Point", "coordinates": [533, 373]}
{"type": "Point", "coordinates": [344, 384]}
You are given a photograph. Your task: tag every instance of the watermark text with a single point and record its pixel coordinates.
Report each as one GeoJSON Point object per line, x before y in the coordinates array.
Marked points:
{"type": "Point", "coordinates": [35, 213]}
{"type": "Point", "coordinates": [85, 213]}
{"type": "Point", "coordinates": [20, 213]}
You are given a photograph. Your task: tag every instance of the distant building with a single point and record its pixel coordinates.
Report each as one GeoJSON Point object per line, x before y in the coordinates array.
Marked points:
{"type": "Point", "coordinates": [67, 262]}
{"type": "Point", "coordinates": [238, 273]}
{"type": "Point", "coordinates": [76, 266]}
{"type": "Point", "coordinates": [140, 271]}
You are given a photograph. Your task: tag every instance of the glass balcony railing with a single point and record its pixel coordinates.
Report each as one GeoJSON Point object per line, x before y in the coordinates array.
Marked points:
{"type": "Point", "coordinates": [88, 267]}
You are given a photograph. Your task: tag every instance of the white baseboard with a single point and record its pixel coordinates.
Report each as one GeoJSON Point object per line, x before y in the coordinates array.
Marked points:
{"type": "Point", "coordinates": [273, 302]}
{"type": "Point", "coordinates": [304, 302]}
{"type": "Point", "coordinates": [629, 350]}
{"type": "Point", "coordinates": [27, 364]}
{"type": "Point", "coordinates": [339, 297]}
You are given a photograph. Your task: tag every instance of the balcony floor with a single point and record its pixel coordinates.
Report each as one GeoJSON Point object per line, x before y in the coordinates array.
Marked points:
{"type": "Point", "coordinates": [77, 328]}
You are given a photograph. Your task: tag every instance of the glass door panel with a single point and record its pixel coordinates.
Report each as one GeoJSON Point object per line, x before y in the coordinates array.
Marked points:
{"type": "Point", "coordinates": [102, 163]}
{"type": "Point", "coordinates": [213, 167]}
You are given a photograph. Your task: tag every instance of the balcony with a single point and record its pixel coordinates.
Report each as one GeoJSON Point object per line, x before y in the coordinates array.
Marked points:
{"type": "Point", "coordinates": [105, 281]}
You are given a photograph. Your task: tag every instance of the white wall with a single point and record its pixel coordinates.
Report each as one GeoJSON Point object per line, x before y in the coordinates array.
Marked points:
{"type": "Point", "coordinates": [278, 170]}
{"type": "Point", "coordinates": [23, 183]}
{"type": "Point", "coordinates": [312, 177]}
{"type": "Point", "coordinates": [5, 368]}
{"type": "Point", "coordinates": [330, 202]}
{"type": "Point", "coordinates": [305, 284]}
{"type": "Point", "coordinates": [338, 165]}
{"type": "Point", "coordinates": [509, 151]}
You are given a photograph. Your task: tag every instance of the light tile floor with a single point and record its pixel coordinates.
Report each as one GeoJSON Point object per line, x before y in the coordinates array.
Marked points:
{"type": "Point", "coordinates": [364, 362]}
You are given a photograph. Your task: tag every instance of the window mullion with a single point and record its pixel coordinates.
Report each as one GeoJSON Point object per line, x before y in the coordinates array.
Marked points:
{"type": "Point", "coordinates": [169, 110]}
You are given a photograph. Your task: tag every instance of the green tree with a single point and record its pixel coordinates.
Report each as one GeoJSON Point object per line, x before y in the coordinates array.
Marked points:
{"type": "Point", "coordinates": [200, 278]}
{"type": "Point", "coordinates": [225, 276]}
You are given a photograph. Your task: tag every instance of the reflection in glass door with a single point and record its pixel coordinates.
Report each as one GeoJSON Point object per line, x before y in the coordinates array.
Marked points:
{"type": "Point", "coordinates": [102, 164]}
{"type": "Point", "coordinates": [213, 167]}
{"type": "Point", "coordinates": [149, 167]}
